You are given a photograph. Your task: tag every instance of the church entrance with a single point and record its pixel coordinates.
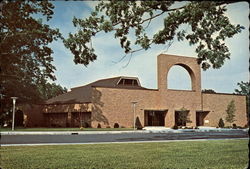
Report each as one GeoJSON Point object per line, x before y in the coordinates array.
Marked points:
{"type": "Point", "coordinates": [154, 118]}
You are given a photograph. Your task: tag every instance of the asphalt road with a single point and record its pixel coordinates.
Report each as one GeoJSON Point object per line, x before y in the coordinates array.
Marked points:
{"type": "Point", "coordinates": [121, 137]}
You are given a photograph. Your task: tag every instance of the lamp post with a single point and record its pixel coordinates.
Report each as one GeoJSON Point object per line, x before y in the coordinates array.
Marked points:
{"type": "Point", "coordinates": [13, 112]}
{"type": "Point", "coordinates": [134, 103]}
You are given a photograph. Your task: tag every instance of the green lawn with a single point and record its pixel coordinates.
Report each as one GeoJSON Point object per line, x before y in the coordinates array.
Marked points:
{"type": "Point", "coordinates": [67, 129]}
{"type": "Point", "coordinates": [224, 154]}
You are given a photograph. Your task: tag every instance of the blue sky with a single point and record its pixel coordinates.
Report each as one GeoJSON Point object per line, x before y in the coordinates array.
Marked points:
{"type": "Point", "coordinates": [143, 63]}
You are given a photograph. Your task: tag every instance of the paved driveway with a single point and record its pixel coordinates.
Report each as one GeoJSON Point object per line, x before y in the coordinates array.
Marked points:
{"type": "Point", "coordinates": [119, 137]}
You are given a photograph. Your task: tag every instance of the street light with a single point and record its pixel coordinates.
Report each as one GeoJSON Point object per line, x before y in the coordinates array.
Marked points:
{"type": "Point", "coordinates": [134, 103]}
{"type": "Point", "coordinates": [13, 115]}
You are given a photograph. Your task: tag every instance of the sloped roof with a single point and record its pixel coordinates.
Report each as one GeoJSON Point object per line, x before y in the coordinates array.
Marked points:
{"type": "Point", "coordinates": [82, 94]}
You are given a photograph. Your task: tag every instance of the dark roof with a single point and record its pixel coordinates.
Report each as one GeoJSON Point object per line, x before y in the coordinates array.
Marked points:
{"type": "Point", "coordinates": [82, 94]}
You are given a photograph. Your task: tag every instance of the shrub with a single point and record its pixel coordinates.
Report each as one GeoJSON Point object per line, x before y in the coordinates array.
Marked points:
{"type": "Point", "coordinates": [196, 127]}
{"type": "Point", "coordinates": [99, 125]}
{"type": "Point", "coordinates": [86, 125]}
{"type": "Point", "coordinates": [138, 124]}
{"type": "Point", "coordinates": [107, 126]}
{"type": "Point", "coordinates": [175, 127]}
{"type": "Point", "coordinates": [234, 126]}
{"type": "Point", "coordinates": [221, 123]}
{"type": "Point", "coordinates": [116, 125]}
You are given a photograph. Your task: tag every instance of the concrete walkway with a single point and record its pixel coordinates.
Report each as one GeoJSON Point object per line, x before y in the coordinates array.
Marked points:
{"type": "Point", "coordinates": [145, 130]}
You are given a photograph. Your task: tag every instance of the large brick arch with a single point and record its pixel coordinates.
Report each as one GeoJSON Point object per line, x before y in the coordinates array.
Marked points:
{"type": "Point", "coordinates": [190, 72]}
{"type": "Point", "coordinates": [165, 62]}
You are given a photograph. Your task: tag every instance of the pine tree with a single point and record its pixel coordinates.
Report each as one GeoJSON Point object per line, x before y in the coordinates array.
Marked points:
{"type": "Point", "coordinates": [230, 112]}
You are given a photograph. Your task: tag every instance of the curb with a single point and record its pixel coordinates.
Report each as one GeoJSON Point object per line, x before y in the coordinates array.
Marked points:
{"type": "Point", "coordinates": [119, 132]}
{"type": "Point", "coordinates": [66, 132]}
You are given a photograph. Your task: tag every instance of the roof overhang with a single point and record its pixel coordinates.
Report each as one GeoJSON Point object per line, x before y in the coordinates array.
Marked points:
{"type": "Point", "coordinates": [202, 111]}
{"type": "Point", "coordinates": [184, 111]}
{"type": "Point", "coordinates": [162, 110]}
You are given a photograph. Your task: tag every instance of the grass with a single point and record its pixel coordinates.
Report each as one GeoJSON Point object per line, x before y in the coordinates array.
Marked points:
{"type": "Point", "coordinates": [224, 154]}
{"type": "Point", "coordinates": [67, 129]}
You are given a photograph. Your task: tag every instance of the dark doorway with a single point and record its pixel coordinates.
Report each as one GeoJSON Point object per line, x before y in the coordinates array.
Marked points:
{"type": "Point", "coordinates": [154, 118]}
{"type": "Point", "coordinates": [81, 119]}
{"type": "Point", "coordinates": [200, 116]}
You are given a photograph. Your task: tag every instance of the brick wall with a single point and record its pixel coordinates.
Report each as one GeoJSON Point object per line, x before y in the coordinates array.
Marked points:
{"type": "Point", "coordinates": [217, 104]}
{"type": "Point", "coordinates": [114, 105]}
{"type": "Point", "coordinates": [117, 107]}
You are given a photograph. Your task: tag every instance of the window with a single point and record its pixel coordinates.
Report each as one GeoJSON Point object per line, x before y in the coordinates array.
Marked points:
{"type": "Point", "coordinates": [128, 82]}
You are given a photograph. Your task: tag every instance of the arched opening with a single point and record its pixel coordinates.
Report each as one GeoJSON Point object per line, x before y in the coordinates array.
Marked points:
{"type": "Point", "coordinates": [179, 78]}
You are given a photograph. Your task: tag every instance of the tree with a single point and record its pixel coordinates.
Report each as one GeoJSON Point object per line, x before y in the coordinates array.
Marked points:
{"type": "Point", "coordinates": [208, 24]}
{"type": "Point", "coordinates": [26, 60]}
{"type": "Point", "coordinates": [25, 57]}
{"type": "Point", "coordinates": [230, 112]}
{"type": "Point", "coordinates": [244, 90]}
{"type": "Point", "coordinates": [45, 92]}
{"type": "Point", "coordinates": [50, 90]}
{"type": "Point", "coordinates": [208, 91]}
{"type": "Point", "coordinates": [182, 117]}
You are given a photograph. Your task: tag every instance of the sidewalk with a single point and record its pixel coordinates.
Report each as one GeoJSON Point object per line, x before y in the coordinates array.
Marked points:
{"type": "Point", "coordinates": [67, 132]}
{"type": "Point", "coordinates": [145, 130]}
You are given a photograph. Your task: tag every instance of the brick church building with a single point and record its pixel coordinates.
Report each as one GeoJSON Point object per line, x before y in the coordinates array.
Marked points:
{"type": "Point", "coordinates": [123, 100]}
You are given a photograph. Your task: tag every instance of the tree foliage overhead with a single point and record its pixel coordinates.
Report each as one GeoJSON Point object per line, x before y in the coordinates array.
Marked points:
{"type": "Point", "coordinates": [207, 20]}
{"type": "Point", "coordinates": [25, 58]}
{"type": "Point", "coordinates": [208, 91]}
{"type": "Point", "coordinates": [244, 88]}
{"type": "Point", "coordinates": [50, 90]}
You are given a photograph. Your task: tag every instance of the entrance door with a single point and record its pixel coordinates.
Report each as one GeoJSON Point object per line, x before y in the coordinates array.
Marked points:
{"type": "Point", "coordinates": [200, 116]}
{"type": "Point", "coordinates": [154, 118]}
{"type": "Point", "coordinates": [199, 119]}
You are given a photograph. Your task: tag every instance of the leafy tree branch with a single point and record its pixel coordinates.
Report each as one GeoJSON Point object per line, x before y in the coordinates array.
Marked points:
{"type": "Point", "coordinates": [207, 20]}
{"type": "Point", "coordinates": [25, 57]}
